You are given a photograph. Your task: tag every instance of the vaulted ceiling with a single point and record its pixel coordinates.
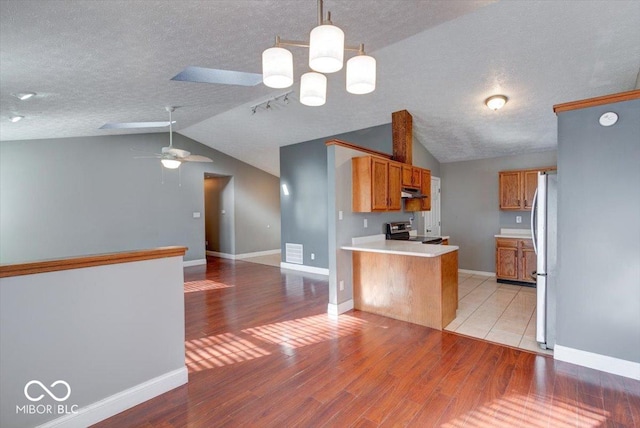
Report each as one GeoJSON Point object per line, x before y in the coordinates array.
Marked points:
{"type": "Point", "coordinates": [92, 62]}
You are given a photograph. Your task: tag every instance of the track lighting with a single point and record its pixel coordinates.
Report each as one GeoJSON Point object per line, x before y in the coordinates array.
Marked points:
{"type": "Point", "coordinates": [272, 103]}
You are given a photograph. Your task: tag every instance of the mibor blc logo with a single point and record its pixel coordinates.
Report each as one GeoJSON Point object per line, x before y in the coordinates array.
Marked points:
{"type": "Point", "coordinates": [35, 391]}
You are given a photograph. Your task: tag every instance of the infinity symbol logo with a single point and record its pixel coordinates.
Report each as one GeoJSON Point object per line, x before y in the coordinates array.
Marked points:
{"type": "Point", "coordinates": [51, 394]}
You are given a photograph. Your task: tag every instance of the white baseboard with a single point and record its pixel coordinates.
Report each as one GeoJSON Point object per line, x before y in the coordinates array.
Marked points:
{"type": "Point", "coordinates": [600, 362]}
{"type": "Point", "coordinates": [304, 268]}
{"type": "Point", "coordinates": [221, 255]}
{"type": "Point", "coordinates": [103, 409]}
{"type": "Point", "coordinates": [334, 310]}
{"type": "Point", "coordinates": [257, 254]}
{"type": "Point", "coordinates": [194, 262]}
{"type": "Point", "coordinates": [242, 256]}
{"type": "Point", "coordinates": [477, 272]}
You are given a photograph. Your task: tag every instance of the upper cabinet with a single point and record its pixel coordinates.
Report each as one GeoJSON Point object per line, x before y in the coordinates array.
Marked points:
{"type": "Point", "coordinates": [517, 188]}
{"type": "Point", "coordinates": [411, 176]}
{"type": "Point", "coordinates": [377, 183]}
{"type": "Point", "coordinates": [421, 204]}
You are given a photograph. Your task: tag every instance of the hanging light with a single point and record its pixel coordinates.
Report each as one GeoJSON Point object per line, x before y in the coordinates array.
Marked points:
{"type": "Point", "coordinates": [326, 55]}
{"type": "Point", "coordinates": [361, 74]}
{"type": "Point", "coordinates": [170, 163]}
{"type": "Point", "coordinates": [326, 48]}
{"type": "Point", "coordinates": [277, 67]}
{"type": "Point", "coordinates": [313, 89]}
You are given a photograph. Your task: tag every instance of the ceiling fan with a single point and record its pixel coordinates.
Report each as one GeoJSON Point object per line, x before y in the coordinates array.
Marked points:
{"type": "Point", "coordinates": [172, 157]}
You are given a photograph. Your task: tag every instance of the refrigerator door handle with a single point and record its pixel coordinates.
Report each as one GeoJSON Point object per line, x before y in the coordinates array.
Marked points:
{"type": "Point", "coordinates": [534, 206]}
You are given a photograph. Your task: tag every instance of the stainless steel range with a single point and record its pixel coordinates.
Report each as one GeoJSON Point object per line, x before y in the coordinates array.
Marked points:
{"type": "Point", "coordinates": [401, 231]}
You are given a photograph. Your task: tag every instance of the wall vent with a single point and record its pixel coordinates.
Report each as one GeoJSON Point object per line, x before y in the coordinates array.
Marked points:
{"type": "Point", "coordinates": [293, 253]}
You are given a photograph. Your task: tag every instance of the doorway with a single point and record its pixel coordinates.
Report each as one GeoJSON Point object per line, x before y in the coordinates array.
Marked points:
{"type": "Point", "coordinates": [432, 218]}
{"type": "Point", "coordinates": [219, 215]}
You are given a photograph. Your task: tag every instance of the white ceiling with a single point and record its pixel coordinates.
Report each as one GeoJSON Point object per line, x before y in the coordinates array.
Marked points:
{"type": "Point", "coordinates": [93, 62]}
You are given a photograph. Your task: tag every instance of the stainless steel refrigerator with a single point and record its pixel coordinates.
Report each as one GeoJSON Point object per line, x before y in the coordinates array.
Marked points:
{"type": "Point", "coordinates": [544, 227]}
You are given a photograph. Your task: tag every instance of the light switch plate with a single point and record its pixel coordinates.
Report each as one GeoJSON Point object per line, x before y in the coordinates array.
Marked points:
{"type": "Point", "coordinates": [196, 215]}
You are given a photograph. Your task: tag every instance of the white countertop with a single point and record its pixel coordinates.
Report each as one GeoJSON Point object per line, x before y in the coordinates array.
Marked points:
{"type": "Point", "coordinates": [514, 233]}
{"type": "Point", "coordinates": [403, 248]}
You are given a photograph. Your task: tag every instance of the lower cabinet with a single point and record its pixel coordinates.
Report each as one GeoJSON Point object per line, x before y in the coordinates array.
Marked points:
{"type": "Point", "coordinates": [515, 259]}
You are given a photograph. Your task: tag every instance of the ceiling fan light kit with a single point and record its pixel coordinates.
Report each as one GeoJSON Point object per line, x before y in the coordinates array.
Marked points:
{"type": "Point", "coordinates": [326, 55]}
{"type": "Point", "coordinates": [496, 102]}
{"type": "Point", "coordinates": [170, 163]}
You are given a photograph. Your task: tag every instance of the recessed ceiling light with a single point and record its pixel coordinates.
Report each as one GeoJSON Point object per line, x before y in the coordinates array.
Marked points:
{"type": "Point", "coordinates": [496, 102]}
{"type": "Point", "coordinates": [24, 95]}
{"type": "Point", "coordinates": [15, 119]}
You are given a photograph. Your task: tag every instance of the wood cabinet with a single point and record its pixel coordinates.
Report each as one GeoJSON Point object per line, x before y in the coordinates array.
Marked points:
{"type": "Point", "coordinates": [423, 204]}
{"type": "Point", "coordinates": [411, 176]}
{"type": "Point", "coordinates": [377, 183]}
{"type": "Point", "coordinates": [515, 259]}
{"type": "Point", "coordinates": [516, 188]}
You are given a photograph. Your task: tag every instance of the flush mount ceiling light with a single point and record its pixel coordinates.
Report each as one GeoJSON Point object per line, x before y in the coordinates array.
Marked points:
{"type": "Point", "coordinates": [24, 95]}
{"type": "Point", "coordinates": [15, 119]}
{"type": "Point", "coordinates": [496, 102]}
{"type": "Point", "coordinates": [326, 55]}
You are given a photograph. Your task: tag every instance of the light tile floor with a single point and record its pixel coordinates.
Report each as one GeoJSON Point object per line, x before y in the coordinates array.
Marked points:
{"type": "Point", "coordinates": [500, 313]}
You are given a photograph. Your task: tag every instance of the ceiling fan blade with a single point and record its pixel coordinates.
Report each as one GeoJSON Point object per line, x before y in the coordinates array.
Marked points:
{"type": "Point", "coordinates": [196, 158]}
{"type": "Point", "coordinates": [223, 77]}
{"type": "Point", "coordinates": [147, 157]}
{"type": "Point", "coordinates": [130, 125]}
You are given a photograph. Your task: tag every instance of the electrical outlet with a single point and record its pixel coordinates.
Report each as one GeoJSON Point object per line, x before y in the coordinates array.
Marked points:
{"type": "Point", "coordinates": [313, 256]}
{"type": "Point", "coordinates": [365, 223]}
{"type": "Point", "coordinates": [196, 215]}
{"type": "Point", "coordinates": [341, 285]}
{"type": "Point", "coordinates": [518, 219]}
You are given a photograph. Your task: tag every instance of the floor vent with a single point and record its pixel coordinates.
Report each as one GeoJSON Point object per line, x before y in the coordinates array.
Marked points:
{"type": "Point", "coordinates": [293, 253]}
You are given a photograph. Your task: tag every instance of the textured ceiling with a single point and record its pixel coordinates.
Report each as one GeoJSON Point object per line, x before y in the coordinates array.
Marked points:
{"type": "Point", "coordinates": [93, 62]}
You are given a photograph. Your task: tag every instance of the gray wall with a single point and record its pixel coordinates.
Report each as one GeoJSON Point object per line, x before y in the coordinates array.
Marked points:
{"type": "Point", "coordinates": [470, 205]}
{"type": "Point", "coordinates": [102, 330]}
{"type": "Point", "coordinates": [76, 196]}
{"type": "Point", "coordinates": [598, 308]}
{"type": "Point", "coordinates": [304, 168]}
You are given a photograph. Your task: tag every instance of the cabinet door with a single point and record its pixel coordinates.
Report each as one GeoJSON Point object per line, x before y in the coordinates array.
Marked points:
{"type": "Point", "coordinates": [406, 175]}
{"type": "Point", "coordinates": [416, 177]}
{"type": "Point", "coordinates": [510, 190]}
{"type": "Point", "coordinates": [530, 179]}
{"type": "Point", "coordinates": [529, 261]}
{"type": "Point", "coordinates": [425, 188]}
{"type": "Point", "coordinates": [507, 259]}
{"type": "Point", "coordinates": [380, 184]}
{"type": "Point", "coordinates": [395, 186]}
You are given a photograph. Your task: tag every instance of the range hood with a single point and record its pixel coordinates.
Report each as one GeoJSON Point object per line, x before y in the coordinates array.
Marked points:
{"type": "Point", "coordinates": [409, 193]}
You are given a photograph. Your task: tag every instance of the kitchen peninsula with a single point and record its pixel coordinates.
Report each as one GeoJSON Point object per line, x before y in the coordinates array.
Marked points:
{"type": "Point", "coordinates": [404, 280]}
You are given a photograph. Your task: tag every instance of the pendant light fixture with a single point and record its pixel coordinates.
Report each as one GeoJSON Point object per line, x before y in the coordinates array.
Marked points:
{"type": "Point", "coordinates": [326, 55]}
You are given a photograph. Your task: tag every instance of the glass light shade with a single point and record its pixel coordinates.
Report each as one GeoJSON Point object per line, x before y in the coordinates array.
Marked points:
{"type": "Point", "coordinates": [326, 49]}
{"type": "Point", "coordinates": [313, 89]}
{"type": "Point", "coordinates": [277, 68]}
{"type": "Point", "coordinates": [170, 163]}
{"type": "Point", "coordinates": [496, 102]}
{"type": "Point", "coordinates": [361, 74]}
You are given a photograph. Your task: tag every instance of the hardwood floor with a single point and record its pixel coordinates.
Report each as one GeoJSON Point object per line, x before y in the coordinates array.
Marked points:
{"type": "Point", "coordinates": [262, 352]}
